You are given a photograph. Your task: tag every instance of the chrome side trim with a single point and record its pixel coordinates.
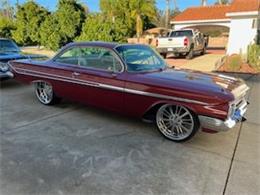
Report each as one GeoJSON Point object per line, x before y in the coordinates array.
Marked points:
{"type": "Point", "coordinates": [164, 96]}
{"type": "Point", "coordinates": [101, 85]}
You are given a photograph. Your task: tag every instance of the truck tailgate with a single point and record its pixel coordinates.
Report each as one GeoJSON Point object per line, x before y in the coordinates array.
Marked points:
{"type": "Point", "coordinates": [171, 42]}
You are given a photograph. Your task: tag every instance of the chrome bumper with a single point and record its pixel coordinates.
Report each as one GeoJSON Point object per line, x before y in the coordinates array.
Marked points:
{"type": "Point", "coordinates": [172, 49]}
{"type": "Point", "coordinates": [6, 75]}
{"type": "Point", "coordinates": [221, 125]}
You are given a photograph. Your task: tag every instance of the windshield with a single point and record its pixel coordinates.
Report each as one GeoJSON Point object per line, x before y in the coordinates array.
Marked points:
{"type": "Point", "coordinates": [140, 58]}
{"type": "Point", "coordinates": [8, 46]}
{"type": "Point", "coordinates": [181, 33]}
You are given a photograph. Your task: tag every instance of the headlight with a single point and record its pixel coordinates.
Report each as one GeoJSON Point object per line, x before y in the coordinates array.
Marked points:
{"type": "Point", "coordinates": [4, 67]}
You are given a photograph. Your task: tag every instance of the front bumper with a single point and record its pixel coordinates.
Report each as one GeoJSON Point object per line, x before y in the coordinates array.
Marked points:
{"type": "Point", "coordinates": [217, 125]}
{"type": "Point", "coordinates": [6, 75]}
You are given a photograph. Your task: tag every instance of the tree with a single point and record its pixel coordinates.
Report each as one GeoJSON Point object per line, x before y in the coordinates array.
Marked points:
{"type": "Point", "coordinates": [64, 25]}
{"type": "Point", "coordinates": [28, 21]}
{"type": "Point", "coordinates": [160, 17]}
{"type": "Point", "coordinates": [139, 9]}
{"type": "Point", "coordinates": [50, 34]}
{"type": "Point", "coordinates": [70, 16]}
{"type": "Point", "coordinates": [7, 25]}
{"type": "Point", "coordinates": [6, 19]}
{"type": "Point", "coordinates": [118, 10]}
{"type": "Point", "coordinates": [98, 28]}
{"type": "Point", "coordinates": [109, 8]}
{"type": "Point", "coordinates": [6, 10]}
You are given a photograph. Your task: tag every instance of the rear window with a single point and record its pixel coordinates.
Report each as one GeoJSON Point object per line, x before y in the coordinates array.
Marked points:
{"type": "Point", "coordinates": [181, 33]}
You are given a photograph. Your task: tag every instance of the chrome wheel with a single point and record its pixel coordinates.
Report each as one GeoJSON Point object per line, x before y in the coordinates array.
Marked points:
{"type": "Point", "coordinates": [44, 92]}
{"type": "Point", "coordinates": [176, 122]}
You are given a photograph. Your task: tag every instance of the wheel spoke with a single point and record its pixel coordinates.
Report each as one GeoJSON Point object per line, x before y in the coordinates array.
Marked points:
{"type": "Point", "coordinates": [184, 114]}
{"type": "Point", "coordinates": [171, 110]}
{"type": "Point", "coordinates": [166, 113]}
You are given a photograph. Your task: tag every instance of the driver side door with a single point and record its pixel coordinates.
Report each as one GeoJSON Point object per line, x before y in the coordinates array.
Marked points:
{"type": "Point", "coordinates": [103, 74]}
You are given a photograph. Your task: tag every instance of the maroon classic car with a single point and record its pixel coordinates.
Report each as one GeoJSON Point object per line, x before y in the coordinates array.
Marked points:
{"type": "Point", "coordinates": [134, 80]}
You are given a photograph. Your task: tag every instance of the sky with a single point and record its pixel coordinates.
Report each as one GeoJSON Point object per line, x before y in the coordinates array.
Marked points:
{"type": "Point", "coordinates": [93, 5]}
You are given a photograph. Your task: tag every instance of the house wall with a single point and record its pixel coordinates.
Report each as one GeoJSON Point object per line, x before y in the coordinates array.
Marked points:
{"type": "Point", "coordinates": [242, 33]}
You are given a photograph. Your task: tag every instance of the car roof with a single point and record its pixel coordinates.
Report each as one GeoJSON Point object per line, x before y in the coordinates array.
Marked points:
{"type": "Point", "coordinates": [110, 45]}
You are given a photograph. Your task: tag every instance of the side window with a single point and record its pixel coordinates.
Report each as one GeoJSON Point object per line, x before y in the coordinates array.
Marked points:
{"type": "Point", "coordinates": [99, 58]}
{"type": "Point", "coordinates": [70, 56]}
{"type": "Point", "coordinates": [91, 57]}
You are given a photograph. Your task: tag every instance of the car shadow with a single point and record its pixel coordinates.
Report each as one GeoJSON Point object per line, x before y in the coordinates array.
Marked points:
{"type": "Point", "coordinates": [10, 84]}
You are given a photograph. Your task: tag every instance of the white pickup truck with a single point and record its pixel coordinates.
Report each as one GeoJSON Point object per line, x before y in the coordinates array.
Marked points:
{"type": "Point", "coordinates": [182, 42]}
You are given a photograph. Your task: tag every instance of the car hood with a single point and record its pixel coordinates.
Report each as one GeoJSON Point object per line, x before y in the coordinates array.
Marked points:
{"type": "Point", "coordinates": [6, 56]}
{"type": "Point", "coordinates": [195, 82]}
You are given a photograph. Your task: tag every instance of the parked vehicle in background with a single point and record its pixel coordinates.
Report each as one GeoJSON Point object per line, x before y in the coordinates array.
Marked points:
{"type": "Point", "coordinates": [10, 51]}
{"type": "Point", "coordinates": [134, 80]}
{"type": "Point", "coordinates": [187, 42]}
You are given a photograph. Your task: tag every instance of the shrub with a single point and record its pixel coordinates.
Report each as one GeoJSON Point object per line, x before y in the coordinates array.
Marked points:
{"type": "Point", "coordinates": [234, 63]}
{"type": "Point", "coordinates": [254, 56]}
{"type": "Point", "coordinates": [6, 26]}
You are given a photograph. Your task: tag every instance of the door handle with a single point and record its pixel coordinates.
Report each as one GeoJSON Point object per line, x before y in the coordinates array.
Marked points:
{"type": "Point", "coordinates": [75, 74]}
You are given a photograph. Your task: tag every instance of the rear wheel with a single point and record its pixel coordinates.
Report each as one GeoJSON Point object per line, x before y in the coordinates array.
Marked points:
{"type": "Point", "coordinates": [190, 55]}
{"type": "Point", "coordinates": [45, 94]}
{"type": "Point", "coordinates": [176, 123]}
{"type": "Point", "coordinates": [203, 51]}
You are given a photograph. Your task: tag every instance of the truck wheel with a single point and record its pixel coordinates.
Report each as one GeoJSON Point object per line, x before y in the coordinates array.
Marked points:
{"type": "Point", "coordinates": [176, 122]}
{"type": "Point", "coordinates": [204, 50]}
{"type": "Point", "coordinates": [164, 55]}
{"type": "Point", "coordinates": [190, 55]}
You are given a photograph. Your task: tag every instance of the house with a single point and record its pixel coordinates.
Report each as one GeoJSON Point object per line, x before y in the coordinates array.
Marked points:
{"type": "Point", "coordinates": [241, 18]}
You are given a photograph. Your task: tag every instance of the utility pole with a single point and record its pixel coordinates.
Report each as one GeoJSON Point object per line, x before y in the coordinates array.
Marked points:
{"type": "Point", "coordinates": [167, 13]}
{"type": "Point", "coordinates": [175, 5]}
{"type": "Point", "coordinates": [203, 2]}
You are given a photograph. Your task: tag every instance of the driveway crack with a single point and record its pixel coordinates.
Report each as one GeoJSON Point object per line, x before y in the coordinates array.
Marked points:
{"type": "Point", "coordinates": [236, 145]}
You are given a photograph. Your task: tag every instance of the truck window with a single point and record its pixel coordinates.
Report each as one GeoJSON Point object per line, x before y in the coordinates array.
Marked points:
{"type": "Point", "coordinates": [181, 33]}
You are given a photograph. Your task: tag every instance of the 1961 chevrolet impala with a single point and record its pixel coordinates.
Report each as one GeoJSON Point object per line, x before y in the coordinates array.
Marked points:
{"type": "Point", "coordinates": [134, 80]}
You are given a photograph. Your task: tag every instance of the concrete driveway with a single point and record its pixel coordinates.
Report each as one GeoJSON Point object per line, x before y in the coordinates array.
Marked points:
{"type": "Point", "coordinates": [73, 149]}
{"type": "Point", "coordinates": [204, 63]}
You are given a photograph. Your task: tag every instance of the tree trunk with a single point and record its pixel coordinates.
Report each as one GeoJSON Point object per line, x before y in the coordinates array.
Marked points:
{"type": "Point", "coordinates": [139, 27]}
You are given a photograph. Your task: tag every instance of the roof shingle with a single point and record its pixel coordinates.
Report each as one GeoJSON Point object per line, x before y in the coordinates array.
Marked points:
{"type": "Point", "coordinates": [217, 11]}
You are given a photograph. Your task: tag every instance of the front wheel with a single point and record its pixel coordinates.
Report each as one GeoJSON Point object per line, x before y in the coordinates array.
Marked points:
{"type": "Point", "coordinates": [44, 93]}
{"type": "Point", "coordinates": [177, 123]}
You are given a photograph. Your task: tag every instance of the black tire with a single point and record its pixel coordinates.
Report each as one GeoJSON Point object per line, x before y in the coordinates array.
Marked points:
{"type": "Point", "coordinates": [164, 55]}
{"type": "Point", "coordinates": [190, 55]}
{"type": "Point", "coordinates": [203, 52]}
{"type": "Point", "coordinates": [165, 132]}
{"type": "Point", "coordinates": [44, 97]}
